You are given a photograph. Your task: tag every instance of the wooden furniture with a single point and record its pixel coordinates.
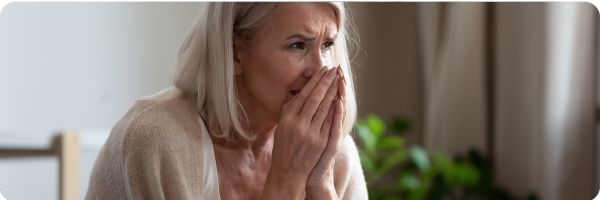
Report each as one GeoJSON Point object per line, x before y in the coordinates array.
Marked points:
{"type": "Point", "coordinates": [65, 145]}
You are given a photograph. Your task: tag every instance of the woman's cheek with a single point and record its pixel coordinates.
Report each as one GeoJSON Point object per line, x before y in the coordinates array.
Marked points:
{"type": "Point", "coordinates": [326, 59]}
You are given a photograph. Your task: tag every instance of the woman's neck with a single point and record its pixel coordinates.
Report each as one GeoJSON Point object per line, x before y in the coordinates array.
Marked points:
{"type": "Point", "coordinates": [259, 124]}
{"type": "Point", "coordinates": [264, 136]}
{"type": "Point", "coordinates": [258, 121]}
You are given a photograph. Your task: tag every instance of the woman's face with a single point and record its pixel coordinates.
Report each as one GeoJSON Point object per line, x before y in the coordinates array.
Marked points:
{"type": "Point", "coordinates": [294, 45]}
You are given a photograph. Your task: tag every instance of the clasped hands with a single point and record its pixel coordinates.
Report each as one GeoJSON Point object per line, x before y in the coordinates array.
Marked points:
{"type": "Point", "coordinates": [308, 138]}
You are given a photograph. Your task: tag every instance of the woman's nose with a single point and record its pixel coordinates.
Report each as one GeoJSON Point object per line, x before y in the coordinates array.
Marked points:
{"type": "Point", "coordinates": [316, 64]}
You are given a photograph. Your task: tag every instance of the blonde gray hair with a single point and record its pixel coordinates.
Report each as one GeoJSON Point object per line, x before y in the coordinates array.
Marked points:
{"type": "Point", "coordinates": [205, 61]}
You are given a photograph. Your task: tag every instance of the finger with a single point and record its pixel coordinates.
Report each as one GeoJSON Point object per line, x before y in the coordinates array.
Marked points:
{"type": "Point", "coordinates": [342, 73]}
{"type": "Point", "coordinates": [326, 126]}
{"type": "Point", "coordinates": [297, 106]}
{"type": "Point", "coordinates": [322, 110]}
{"type": "Point", "coordinates": [344, 119]}
{"type": "Point", "coordinates": [317, 95]}
{"type": "Point", "coordinates": [342, 97]}
{"type": "Point", "coordinates": [335, 139]}
{"type": "Point", "coordinates": [342, 87]}
{"type": "Point", "coordinates": [342, 92]}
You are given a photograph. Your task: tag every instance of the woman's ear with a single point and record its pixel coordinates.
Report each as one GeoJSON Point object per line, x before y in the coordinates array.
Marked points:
{"type": "Point", "coordinates": [237, 56]}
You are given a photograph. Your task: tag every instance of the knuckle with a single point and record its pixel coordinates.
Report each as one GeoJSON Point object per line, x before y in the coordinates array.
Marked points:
{"type": "Point", "coordinates": [285, 118]}
{"type": "Point", "coordinates": [326, 82]}
{"type": "Point", "coordinates": [312, 141]}
{"type": "Point", "coordinates": [316, 139]}
{"type": "Point", "coordinates": [313, 100]}
{"type": "Point", "coordinates": [315, 80]}
{"type": "Point", "coordinates": [299, 129]}
{"type": "Point", "coordinates": [288, 118]}
{"type": "Point", "coordinates": [320, 142]}
{"type": "Point", "coordinates": [322, 109]}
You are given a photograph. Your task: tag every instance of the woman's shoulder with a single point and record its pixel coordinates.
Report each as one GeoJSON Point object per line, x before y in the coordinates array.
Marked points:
{"type": "Point", "coordinates": [167, 116]}
{"type": "Point", "coordinates": [157, 124]}
{"type": "Point", "coordinates": [160, 134]}
{"type": "Point", "coordinates": [171, 93]}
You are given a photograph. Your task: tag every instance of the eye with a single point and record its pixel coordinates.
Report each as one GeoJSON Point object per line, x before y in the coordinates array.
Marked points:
{"type": "Point", "coordinates": [299, 45]}
{"type": "Point", "coordinates": [326, 45]}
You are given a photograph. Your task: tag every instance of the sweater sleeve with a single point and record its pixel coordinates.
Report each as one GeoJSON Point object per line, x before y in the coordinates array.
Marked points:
{"type": "Point", "coordinates": [159, 163]}
{"type": "Point", "coordinates": [349, 180]}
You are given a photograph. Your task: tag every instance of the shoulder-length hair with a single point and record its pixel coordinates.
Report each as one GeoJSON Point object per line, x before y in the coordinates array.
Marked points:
{"type": "Point", "coordinates": [205, 61]}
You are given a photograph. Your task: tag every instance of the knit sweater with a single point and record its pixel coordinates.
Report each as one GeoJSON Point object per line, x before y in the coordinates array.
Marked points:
{"type": "Point", "coordinates": [155, 152]}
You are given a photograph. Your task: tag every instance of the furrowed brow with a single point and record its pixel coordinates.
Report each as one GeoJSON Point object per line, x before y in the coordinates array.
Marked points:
{"type": "Point", "coordinates": [332, 38]}
{"type": "Point", "coordinates": [302, 36]}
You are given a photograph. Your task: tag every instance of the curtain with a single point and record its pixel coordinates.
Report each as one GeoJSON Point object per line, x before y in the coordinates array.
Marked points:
{"type": "Point", "coordinates": [453, 58]}
{"type": "Point", "coordinates": [515, 81]}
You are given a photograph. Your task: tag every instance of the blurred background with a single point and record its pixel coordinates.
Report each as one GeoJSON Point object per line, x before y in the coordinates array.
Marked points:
{"type": "Point", "coordinates": [480, 100]}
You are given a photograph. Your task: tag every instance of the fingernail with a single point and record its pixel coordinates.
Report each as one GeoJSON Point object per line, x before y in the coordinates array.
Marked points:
{"type": "Point", "coordinates": [341, 98]}
{"type": "Point", "coordinates": [332, 72]}
{"type": "Point", "coordinates": [323, 70]}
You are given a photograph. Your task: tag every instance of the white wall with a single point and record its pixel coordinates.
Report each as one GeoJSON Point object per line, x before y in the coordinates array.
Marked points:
{"type": "Point", "coordinates": [79, 66]}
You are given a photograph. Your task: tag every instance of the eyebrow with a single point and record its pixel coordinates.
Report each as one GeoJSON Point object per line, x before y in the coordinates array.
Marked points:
{"type": "Point", "coordinates": [307, 38]}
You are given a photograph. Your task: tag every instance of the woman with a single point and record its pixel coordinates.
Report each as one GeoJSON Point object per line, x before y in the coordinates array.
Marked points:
{"type": "Point", "coordinates": [257, 112]}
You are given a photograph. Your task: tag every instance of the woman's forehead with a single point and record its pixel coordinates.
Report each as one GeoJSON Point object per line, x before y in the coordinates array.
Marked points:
{"type": "Point", "coordinates": [308, 18]}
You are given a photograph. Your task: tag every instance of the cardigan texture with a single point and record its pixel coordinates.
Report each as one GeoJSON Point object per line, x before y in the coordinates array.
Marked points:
{"type": "Point", "coordinates": [155, 152]}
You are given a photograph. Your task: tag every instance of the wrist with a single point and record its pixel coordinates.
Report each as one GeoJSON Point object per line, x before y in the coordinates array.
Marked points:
{"type": "Point", "coordinates": [282, 186]}
{"type": "Point", "coordinates": [323, 191]}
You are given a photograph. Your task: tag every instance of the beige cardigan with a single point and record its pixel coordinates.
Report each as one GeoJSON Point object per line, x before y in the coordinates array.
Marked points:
{"type": "Point", "coordinates": [155, 152]}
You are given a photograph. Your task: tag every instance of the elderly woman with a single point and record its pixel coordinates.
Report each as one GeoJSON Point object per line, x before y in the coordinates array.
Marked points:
{"type": "Point", "coordinates": [262, 104]}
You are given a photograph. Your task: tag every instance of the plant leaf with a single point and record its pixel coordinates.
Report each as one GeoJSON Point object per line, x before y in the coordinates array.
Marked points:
{"type": "Point", "coordinates": [410, 181]}
{"type": "Point", "coordinates": [466, 173]}
{"type": "Point", "coordinates": [368, 139]}
{"type": "Point", "coordinates": [392, 161]}
{"type": "Point", "coordinates": [392, 142]}
{"type": "Point", "coordinates": [391, 198]}
{"type": "Point", "coordinates": [400, 125]}
{"type": "Point", "coordinates": [375, 124]}
{"type": "Point", "coordinates": [419, 157]}
{"type": "Point", "coordinates": [442, 162]}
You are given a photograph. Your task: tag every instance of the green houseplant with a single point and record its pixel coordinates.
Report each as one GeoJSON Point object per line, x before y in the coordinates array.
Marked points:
{"type": "Point", "coordinates": [395, 171]}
